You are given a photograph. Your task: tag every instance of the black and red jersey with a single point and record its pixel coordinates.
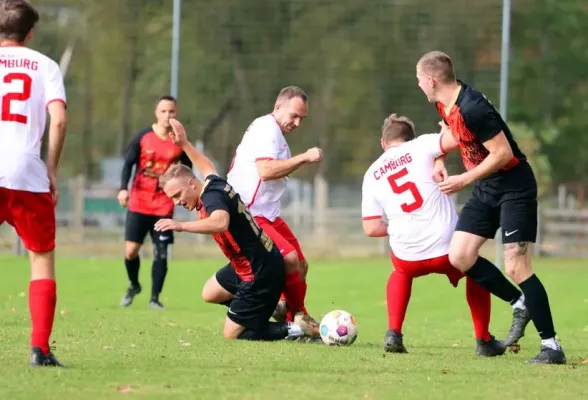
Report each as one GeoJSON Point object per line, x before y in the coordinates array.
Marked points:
{"type": "Point", "coordinates": [244, 243]}
{"type": "Point", "coordinates": [152, 156]}
{"type": "Point", "coordinates": [473, 120]}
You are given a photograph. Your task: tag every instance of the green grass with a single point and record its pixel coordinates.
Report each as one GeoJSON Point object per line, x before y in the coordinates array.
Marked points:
{"type": "Point", "coordinates": [180, 353]}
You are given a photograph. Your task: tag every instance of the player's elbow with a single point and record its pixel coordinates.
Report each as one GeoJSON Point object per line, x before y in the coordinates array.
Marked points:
{"type": "Point", "coordinates": [504, 155]}
{"type": "Point", "coordinates": [371, 227]}
{"type": "Point", "coordinates": [264, 173]}
{"type": "Point", "coordinates": [221, 222]}
{"type": "Point", "coordinates": [59, 124]}
{"type": "Point", "coordinates": [264, 170]}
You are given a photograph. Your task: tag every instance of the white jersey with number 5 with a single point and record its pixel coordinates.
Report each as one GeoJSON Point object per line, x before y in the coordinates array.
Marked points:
{"type": "Point", "coordinates": [400, 186]}
{"type": "Point", "coordinates": [29, 82]}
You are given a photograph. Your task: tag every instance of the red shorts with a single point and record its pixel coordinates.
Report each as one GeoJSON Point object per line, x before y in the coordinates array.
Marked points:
{"type": "Point", "coordinates": [437, 265]}
{"type": "Point", "coordinates": [280, 233]}
{"type": "Point", "coordinates": [32, 215]}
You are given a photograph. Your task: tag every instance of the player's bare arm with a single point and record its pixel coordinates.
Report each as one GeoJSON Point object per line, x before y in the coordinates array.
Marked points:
{"type": "Point", "coordinates": [217, 222]}
{"type": "Point", "coordinates": [500, 154]}
{"type": "Point", "coordinates": [277, 169]}
{"type": "Point", "coordinates": [199, 160]}
{"type": "Point", "coordinates": [375, 227]}
{"type": "Point", "coordinates": [448, 143]}
{"type": "Point", "coordinates": [57, 129]}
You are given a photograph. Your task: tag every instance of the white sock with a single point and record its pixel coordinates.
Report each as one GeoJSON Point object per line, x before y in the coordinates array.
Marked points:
{"type": "Point", "coordinates": [294, 330]}
{"type": "Point", "coordinates": [551, 343]}
{"type": "Point", "coordinates": [520, 303]}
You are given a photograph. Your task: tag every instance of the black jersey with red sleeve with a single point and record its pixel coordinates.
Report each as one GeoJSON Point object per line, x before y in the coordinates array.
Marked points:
{"type": "Point", "coordinates": [244, 243]}
{"type": "Point", "coordinates": [152, 156]}
{"type": "Point", "coordinates": [473, 120]}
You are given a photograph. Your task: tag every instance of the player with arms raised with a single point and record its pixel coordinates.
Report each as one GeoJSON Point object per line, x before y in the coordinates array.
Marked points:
{"type": "Point", "coordinates": [259, 172]}
{"type": "Point", "coordinates": [32, 85]}
{"type": "Point", "coordinates": [253, 256]}
{"type": "Point", "coordinates": [421, 220]}
{"type": "Point", "coordinates": [504, 195]}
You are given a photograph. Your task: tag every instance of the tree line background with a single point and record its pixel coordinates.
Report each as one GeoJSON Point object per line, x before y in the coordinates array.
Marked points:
{"type": "Point", "coordinates": [355, 58]}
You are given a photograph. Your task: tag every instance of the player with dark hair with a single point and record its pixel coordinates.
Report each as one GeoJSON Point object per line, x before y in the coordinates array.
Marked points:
{"type": "Point", "coordinates": [252, 254]}
{"type": "Point", "coordinates": [504, 195]}
{"type": "Point", "coordinates": [420, 221]}
{"type": "Point", "coordinates": [151, 153]}
{"type": "Point", "coordinates": [32, 87]}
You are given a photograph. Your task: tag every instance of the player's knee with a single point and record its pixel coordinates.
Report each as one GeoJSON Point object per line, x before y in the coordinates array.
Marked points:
{"type": "Point", "coordinates": [132, 250]}
{"type": "Point", "coordinates": [462, 253]}
{"type": "Point", "coordinates": [303, 269]}
{"type": "Point", "coordinates": [461, 258]}
{"type": "Point", "coordinates": [291, 262]}
{"type": "Point", "coordinates": [42, 265]}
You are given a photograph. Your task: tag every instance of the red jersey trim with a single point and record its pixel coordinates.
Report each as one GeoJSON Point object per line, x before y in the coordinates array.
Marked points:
{"type": "Point", "coordinates": [372, 217]}
{"type": "Point", "coordinates": [264, 158]}
{"type": "Point", "coordinates": [255, 193]}
{"type": "Point", "coordinates": [441, 144]}
{"type": "Point", "coordinates": [53, 100]}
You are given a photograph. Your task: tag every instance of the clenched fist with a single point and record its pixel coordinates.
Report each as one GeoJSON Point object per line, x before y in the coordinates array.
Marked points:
{"type": "Point", "coordinates": [314, 155]}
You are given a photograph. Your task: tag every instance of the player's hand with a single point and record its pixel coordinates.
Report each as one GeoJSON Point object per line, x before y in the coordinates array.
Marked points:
{"type": "Point", "coordinates": [439, 171]}
{"type": "Point", "coordinates": [123, 198]}
{"type": "Point", "coordinates": [444, 127]}
{"type": "Point", "coordinates": [314, 155]}
{"type": "Point", "coordinates": [53, 187]}
{"type": "Point", "coordinates": [178, 133]}
{"type": "Point", "coordinates": [167, 225]}
{"type": "Point", "coordinates": [453, 184]}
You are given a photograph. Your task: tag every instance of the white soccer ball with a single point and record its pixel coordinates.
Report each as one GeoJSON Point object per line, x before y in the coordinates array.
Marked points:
{"type": "Point", "coordinates": [338, 328]}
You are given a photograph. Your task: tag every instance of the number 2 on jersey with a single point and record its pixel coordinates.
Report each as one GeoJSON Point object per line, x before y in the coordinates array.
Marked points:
{"type": "Point", "coordinates": [23, 95]}
{"type": "Point", "coordinates": [406, 186]}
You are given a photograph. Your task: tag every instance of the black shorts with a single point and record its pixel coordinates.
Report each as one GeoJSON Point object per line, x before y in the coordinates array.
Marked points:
{"type": "Point", "coordinates": [254, 301]}
{"type": "Point", "coordinates": [138, 225]}
{"type": "Point", "coordinates": [509, 203]}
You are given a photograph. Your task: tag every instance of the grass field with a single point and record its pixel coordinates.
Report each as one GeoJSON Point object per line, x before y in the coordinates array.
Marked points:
{"type": "Point", "coordinates": [179, 353]}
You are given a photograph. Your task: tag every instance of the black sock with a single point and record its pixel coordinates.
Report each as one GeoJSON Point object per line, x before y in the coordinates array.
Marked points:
{"type": "Point", "coordinates": [537, 303]}
{"type": "Point", "coordinates": [158, 273]}
{"type": "Point", "coordinates": [271, 332]}
{"type": "Point", "coordinates": [493, 280]}
{"type": "Point", "coordinates": [133, 270]}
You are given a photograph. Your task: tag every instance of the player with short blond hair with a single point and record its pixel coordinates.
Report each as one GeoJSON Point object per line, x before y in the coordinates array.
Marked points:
{"type": "Point", "coordinates": [504, 196]}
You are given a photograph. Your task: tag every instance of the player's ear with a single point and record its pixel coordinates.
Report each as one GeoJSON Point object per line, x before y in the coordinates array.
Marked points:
{"type": "Point", "coordinates": [383, 144]}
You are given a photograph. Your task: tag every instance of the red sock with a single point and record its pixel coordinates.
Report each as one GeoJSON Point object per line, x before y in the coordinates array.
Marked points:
{"type": "Point", "coordinates": [42, 299]}
{"type": "Point", "coordinates": [480, 308]}
{"type": "Point", "coordinates": [294, 292]}
{"type": "Point", "coordinates": [398, 293]}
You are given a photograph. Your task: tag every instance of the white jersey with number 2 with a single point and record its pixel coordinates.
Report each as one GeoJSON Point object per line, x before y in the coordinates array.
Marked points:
{"type": "Point", "coordinates": [29, 81]}
{"type": "Point", "coordinates": [400, 186]}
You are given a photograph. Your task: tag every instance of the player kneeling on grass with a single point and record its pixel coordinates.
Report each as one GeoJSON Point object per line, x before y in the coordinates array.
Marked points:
{"type": "Point", "coordinates": [253, 255]}
{"type": "Point", "coordinates": [421, 221]}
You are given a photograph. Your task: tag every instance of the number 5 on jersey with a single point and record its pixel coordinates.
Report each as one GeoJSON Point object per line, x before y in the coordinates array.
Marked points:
{"type": "Point", "coordinates": [406, 187]}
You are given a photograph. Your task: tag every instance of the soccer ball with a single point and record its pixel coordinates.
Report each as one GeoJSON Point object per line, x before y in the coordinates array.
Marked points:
{"type": "Point", "coordinates": [338, 328]}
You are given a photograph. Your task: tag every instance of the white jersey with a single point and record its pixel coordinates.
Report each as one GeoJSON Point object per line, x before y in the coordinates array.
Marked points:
{"type": "Point", "coordinates": [29, 82]}
{"type": "Point", "coordinates": [263, 140]}
{"type": "Point", "coordinates": [399, 185]}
